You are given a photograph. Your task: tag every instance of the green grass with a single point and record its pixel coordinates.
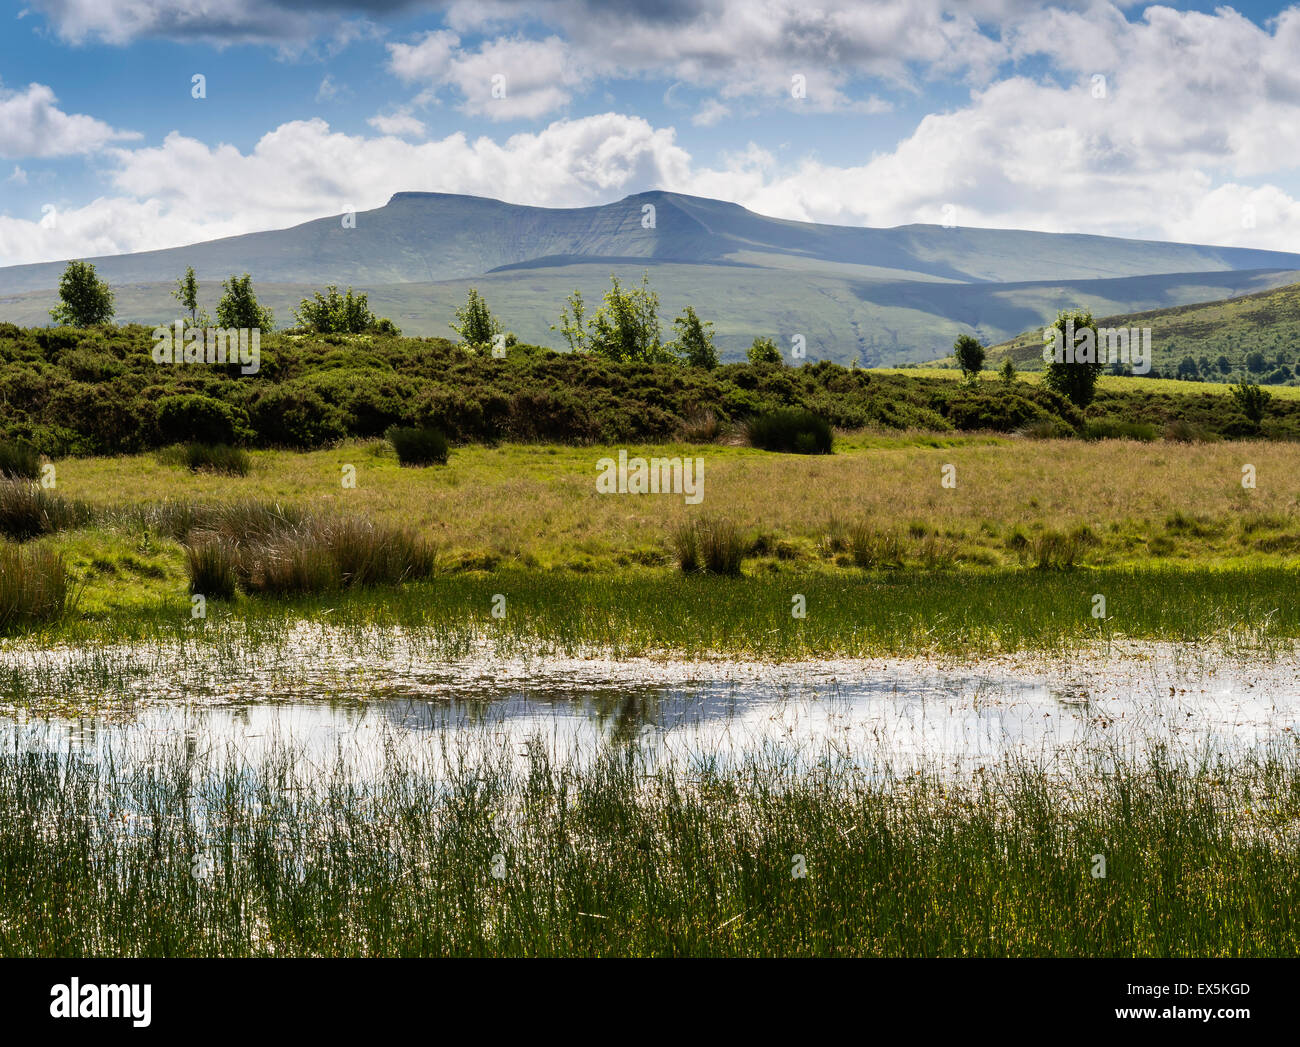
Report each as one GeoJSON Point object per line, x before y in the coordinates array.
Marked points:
{"type": "Point", "coordinates": [618, 855]}
{"type": "Point", "coordinates": [852, 613]}
{"type": "Point", "coordinates": [34, 588]}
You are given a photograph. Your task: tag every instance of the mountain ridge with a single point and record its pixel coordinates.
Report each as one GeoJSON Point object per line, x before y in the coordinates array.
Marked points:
{"type": "Point", "coordinates": [885, 295]}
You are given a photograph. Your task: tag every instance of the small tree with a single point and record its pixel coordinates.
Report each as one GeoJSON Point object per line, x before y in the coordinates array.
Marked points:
{"type": "Point", "coordinates": [694, 342]}
{"type": "Point", "coordinates": [1251, 399]}
{"type": "Point", "coordinates": [571, 325]}
{"type": "Point", "coordinates": [1008, 371]}
{"type": "Point", "coordinates": [970, 356]}
{"type": "Point", "coordinates": [85, 299]}
{"type": "Point", "coordinates": [187, 293]}
{"type": "Point", "coordinates": [764, 351]}
{"type": "Point", "coordinates": [1075, 376]}
{"type": "Point", "coordinates": [475, 323]}
{"type": "Point", "coordinates": [334, 313]}
{"type": "Point", "coordinates": [626, 326]}
{"type": "Point", "coordinates": [239, 306]}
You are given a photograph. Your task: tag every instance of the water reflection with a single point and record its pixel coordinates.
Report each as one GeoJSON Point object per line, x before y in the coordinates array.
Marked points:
{"type": "Point", "coordinates": [903, 713]}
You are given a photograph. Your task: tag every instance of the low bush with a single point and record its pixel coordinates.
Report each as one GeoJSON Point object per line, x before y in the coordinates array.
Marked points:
{"type": "Point", "coordinates": [791, 430]}
{"type": "Point", "coordinates": [423, 446]}
{"type": "Point", "coordinates": [1113, 429]}
{"type": "Point", "coordinates": [203, 419]}
{"type": "Point", "coordinates": [18, 460]}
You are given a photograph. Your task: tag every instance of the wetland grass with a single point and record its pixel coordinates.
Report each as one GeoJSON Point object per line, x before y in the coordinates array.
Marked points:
{"type": "Point", "coordinates": [473, 850]}
{"type": "Point", "coordinates": [34, 588]}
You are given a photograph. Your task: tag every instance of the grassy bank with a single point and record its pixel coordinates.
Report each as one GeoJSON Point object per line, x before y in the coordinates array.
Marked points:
{"type": "Point", "coordinates": [183, 854]}
{"type": "Point", "coordinates": [1125, 502]}
{"type": "Point", "coordinates": [887, 558]}
{"type": "Point", "coordinates": [862, 614]}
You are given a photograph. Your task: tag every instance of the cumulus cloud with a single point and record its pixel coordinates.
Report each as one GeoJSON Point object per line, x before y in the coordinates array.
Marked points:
{"type": "Point", "coordinates": [32, 125]}
{"type": "Point", "coordinates": [504, 79]}
{"type": "Point", "coordinates": [183, 190]}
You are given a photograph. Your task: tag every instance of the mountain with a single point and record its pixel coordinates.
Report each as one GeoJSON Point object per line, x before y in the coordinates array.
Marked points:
{"type": "Point", "coordinates": [1256, 336]}
{"type": "Point", "coordinates": [882, 295]}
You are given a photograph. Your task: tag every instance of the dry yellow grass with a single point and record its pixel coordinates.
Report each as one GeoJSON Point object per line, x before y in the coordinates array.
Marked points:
{"type": "Point", "coordinates": [540, 504]}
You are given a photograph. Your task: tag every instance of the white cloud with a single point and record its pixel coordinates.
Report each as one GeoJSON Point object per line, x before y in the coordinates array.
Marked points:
{"type": "Point", "coordinates": [19, 176]}
{"type": "Point", "coordinates": [216, 21]}
{"type": "Point", "coordinates": [1198, 131]}
{"type": "Point", "coordinates": [32, 124]}
{"type": "Point", "coordinates": [505, 79]}
{"type": "Point", "coordinates": [711, 112]}
{"type": "Point", "coordinates": [184, 191]}
{"type": "Point", "coordinates": [741, 47]}
{"type": "Point", "coordinates": [329, 90]}
{"type": "Point", "coordinates": [401, 124]}
{"type": "Point", "coordinates": [428, 58]}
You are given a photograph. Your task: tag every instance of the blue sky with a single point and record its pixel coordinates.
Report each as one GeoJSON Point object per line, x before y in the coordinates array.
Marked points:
{"type": "Point", "coordinates": [1172, 122]}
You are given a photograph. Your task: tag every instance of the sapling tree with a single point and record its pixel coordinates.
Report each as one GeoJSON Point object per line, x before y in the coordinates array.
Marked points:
{"type": "Point", "coordinates": [84, 299]}
{"type": "Point", "coordinates": [969, 353]}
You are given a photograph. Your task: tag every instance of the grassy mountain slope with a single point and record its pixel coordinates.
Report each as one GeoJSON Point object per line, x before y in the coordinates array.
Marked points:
{"type": "Point", "coordinates": [1265, 323]}
{"type": "Point", "coordinates": [883, 296]}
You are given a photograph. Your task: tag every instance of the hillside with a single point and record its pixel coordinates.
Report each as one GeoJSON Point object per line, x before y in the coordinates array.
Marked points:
{"type": "Point", "coordinates": [1255, 336]}
{"type": "Point", "coordinates": [882, 296]}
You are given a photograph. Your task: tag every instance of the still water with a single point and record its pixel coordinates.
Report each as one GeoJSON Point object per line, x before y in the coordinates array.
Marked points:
{"type": "Point", "coordinates": [328, 703]}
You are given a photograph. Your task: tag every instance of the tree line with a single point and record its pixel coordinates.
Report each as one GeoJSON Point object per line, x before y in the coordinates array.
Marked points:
{"type": "Point", "coordinates": [625, 328]}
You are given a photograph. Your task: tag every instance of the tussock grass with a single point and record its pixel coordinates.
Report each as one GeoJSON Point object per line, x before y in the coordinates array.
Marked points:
{"type": "Point", "coordinates": [268, 549]}
{"type": "Point", "coordinates": [709, 544]}
{"type": "Point", "coordinates": [870, 548]}
{"type": "Point", "coordinates": [34, 588]}
{"type": "Point", "coordinates": [28, 510]}
{"type": "Point", "coordinates": [213, 567]}
{"type": "Point", "coordinates": [613, 853]}
{"type": "Point", "coordinates": [217, 458]}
